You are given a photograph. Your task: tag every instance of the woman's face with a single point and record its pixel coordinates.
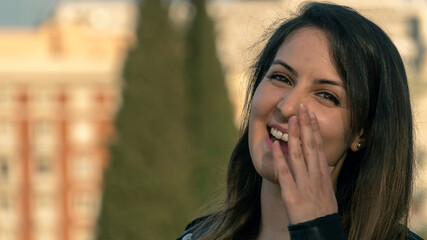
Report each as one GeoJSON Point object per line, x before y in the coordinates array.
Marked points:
{"type": "Point", "coordinates": [302, 72]}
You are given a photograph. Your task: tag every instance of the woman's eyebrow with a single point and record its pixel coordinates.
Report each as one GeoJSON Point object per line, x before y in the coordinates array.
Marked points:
{"type": "Point", "coordinates": [326, 81]}
{"type": "Point", "coordinates": [317, 81]}
{"type": "Point", "coordinates": [290, 69]}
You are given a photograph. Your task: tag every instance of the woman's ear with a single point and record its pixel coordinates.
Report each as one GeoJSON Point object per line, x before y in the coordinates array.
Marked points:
{"type": "Point", "coordinates": [358, 142]}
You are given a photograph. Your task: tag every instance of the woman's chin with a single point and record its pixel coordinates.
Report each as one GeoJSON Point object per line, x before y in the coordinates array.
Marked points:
{"type": "Point", "coordinates": [265, 167]}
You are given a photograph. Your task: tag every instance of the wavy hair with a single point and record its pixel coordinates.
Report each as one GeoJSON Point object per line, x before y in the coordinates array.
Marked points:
{"type": "Point", "coordinates": [375, 184]}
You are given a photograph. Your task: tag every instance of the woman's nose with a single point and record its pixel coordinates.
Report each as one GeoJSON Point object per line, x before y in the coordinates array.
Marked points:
{"type": "Point", "coordinates": [288, 104]}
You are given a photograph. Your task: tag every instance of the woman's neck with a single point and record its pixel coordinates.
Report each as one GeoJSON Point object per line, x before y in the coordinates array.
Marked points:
{"type": "Point", "coordinates": [274, 220]}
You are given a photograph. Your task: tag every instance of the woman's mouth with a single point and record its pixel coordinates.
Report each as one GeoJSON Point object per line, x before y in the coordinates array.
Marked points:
{"type": "Point", "coordinates": [275, 134]}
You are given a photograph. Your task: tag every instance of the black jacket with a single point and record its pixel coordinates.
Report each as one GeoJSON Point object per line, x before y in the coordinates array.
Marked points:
{"type": "Point", "coordinates": [323, 228]}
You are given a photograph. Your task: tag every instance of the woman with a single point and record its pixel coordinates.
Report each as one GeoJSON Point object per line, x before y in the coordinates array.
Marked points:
{"type": "Point", "coordinates": [326, 150]}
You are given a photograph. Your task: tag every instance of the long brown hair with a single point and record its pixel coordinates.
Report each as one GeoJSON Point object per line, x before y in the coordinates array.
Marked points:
{"type": "Point", "coordinates": [375, 184]}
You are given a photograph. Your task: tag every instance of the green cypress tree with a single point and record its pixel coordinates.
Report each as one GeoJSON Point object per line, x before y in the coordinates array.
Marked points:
{"type": "Point", "coordinates": [210, 119]}
{"type": "Point", "coordinates": [146, 193]}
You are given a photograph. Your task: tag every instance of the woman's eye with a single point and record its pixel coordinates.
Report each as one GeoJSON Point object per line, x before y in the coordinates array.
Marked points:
{"type": "Point", "coordinates": [281, 78]}
{"type": "Point", "coordinates": [330, 97]}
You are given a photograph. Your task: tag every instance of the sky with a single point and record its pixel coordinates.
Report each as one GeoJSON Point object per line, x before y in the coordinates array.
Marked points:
{"type": "Point", "coordinates": [28, 13]}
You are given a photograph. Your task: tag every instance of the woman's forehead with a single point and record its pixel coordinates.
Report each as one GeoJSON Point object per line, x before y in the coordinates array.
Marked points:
{"type": "Point", "coordinates": [306, 52]}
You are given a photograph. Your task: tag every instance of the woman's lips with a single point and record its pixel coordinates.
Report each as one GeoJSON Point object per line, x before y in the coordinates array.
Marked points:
{"type": "Point", "coordinates": [269, 142]}
{"type": "Point", "coordinates": [279, 134]}
{"type": "Point", "coordinates": [283, 145]}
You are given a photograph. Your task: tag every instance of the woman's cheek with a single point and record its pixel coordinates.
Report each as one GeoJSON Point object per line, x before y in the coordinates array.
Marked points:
{"type": "Point", "coordinates": [334, 135]}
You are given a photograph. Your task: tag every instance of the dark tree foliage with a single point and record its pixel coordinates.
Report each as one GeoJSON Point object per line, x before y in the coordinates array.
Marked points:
{"type": "Point", "coordinates": [174, 130]}
{"type": "Point", "coordinates": [210, 121]}
{"type": "Point", "coordinates": [146, 192]}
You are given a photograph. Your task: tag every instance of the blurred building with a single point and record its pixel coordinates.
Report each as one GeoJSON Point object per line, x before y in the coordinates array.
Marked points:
{"type": "Point", "coordinates": [59, 91]}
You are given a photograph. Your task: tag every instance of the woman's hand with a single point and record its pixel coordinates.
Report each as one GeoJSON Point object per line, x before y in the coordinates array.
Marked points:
{"type": "Point", "coordinates": [306, 185]}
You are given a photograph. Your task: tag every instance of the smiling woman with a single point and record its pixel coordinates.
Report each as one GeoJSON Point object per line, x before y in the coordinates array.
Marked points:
{"type": "Point", "coordinates": [325, 152]}
{"type": "Point", "coordinates": [302, 73]}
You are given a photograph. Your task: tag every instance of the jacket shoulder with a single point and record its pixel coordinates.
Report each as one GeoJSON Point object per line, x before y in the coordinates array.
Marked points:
{"type": "Point", "coordinates": [196, 221]}
{"type": "Point", "coordinates": [188, 234]}
{"type": "Point", "coordinates": [413, 236]}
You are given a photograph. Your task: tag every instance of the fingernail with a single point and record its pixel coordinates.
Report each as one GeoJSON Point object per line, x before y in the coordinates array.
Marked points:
{"type": "Point", "coordinates": [303, 107]}
{"type": "Point", "coordinates": [312, 115]}
{"type": "Point", "coordinates": [293, 119]}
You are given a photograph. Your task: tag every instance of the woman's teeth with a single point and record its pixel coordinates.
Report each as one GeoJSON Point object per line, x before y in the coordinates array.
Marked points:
{"type": "Point", "coordinates": [279, 135]}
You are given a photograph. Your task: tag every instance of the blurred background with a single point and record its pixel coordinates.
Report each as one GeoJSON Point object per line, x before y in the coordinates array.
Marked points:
{"type": "Point", "coordinates": [117, 117]}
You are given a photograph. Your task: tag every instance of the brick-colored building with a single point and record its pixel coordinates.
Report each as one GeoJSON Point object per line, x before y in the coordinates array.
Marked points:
{"type": "Point", "coordinates": [59, 91]}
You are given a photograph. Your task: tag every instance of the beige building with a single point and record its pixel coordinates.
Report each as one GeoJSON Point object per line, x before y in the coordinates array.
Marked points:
{"type": "Point", "coordinates": [59, 91]}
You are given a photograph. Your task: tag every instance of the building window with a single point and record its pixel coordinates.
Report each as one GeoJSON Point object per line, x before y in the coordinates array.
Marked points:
{"type": "Point", "coordinates": [8, 234]}
{"type": "Point", "coordinates": [85, 205]}
{"type": "Point", "coordinates": [81, 100]}
{"type": "Point", "coordinates": [43, 165]}
{"type": "Point", "coordinates": [42, 99]}
{"type": "Point", "coordinates": [44, 136]}
{"type": "Point", "coordinates": [8, 215]}
{"type": "Point", "coordinates": [5, 203]}
{"type": "Point", "coordinates": [7, 98]}
{"type": "Point", "coordinates": [45, 209]}
{"type": "Point", "coordinates": [82, 132]}
{"type": "Point", "coordinates": [7, 170]}
{"type": "Point", "coordinates": [4, 169]}
{"type": "Point", "coordinates": [45, 178]}
{"type": "Point", "coordinates": [46, 234]}
{"type": "Point", "coordinates": [82, 234]}
{"type": "Point", "coordinates": [7, 135]}
{"type": "Point", "coordinates": [84, 167]}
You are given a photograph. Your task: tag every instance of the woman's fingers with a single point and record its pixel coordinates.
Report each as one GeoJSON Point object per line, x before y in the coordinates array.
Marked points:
{"type": "Point", "coordinates": [295, 153]}
{"type": "Point", "coordinates": [305, 146]}
{"type": "Point", "coordinates": [308, 141]}
{"type": "Point", "coordinates": [306, 186]}
{"type": "Point", "coordinates": [322, 163]}
{"type": "Point", "coordinates": [283, 172]}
